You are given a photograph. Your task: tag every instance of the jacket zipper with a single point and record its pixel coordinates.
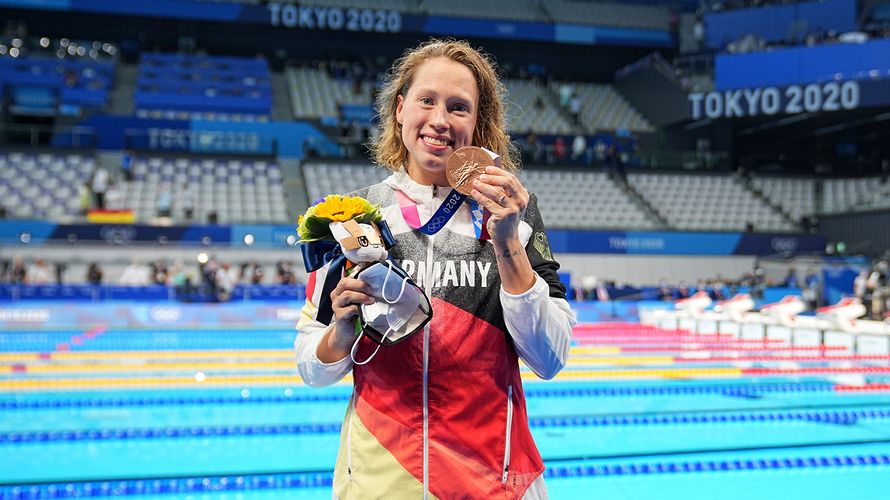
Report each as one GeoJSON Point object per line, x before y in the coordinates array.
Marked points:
{"type": "Point", "coordinates": [426, 358]}
{"type": "Point", "coordinates": [509, 427]}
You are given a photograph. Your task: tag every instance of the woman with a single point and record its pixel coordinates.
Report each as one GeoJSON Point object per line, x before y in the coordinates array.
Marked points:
{"type": "Point", "coordinates": [443, 413]}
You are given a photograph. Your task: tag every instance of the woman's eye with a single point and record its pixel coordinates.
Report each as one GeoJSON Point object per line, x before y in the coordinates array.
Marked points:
{"type": "Point", "coordinates": [426, 100]}
{"type": "Point", "coordinates": [460, 108]}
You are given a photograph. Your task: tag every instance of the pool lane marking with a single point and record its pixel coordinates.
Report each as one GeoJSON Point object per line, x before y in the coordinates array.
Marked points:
{"type": "Point", "coordinates": [300, 480]}
{"type": "Point", "coordinates": [531, 392]}
{"type": "Point", "coordinates": [849, 417]}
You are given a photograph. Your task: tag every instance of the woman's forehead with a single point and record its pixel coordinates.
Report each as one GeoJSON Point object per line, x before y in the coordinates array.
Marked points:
{"type": "Point", "coordinates": [443, 72]}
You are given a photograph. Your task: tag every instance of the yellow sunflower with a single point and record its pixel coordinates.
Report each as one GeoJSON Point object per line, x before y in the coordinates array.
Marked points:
{"type": "Point", "coordinates": [314, 225]}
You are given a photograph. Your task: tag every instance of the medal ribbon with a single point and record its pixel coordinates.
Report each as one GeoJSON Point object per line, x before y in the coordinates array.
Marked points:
{"type": "Point", "coordinates": [444, 213]}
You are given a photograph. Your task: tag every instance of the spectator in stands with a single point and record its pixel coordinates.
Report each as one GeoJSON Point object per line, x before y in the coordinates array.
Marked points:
{"type": "Point", "coordinates": [84, 198]}
{"type": "Point", "coordinates": [181, 281]}
{"type": "Point", "coordinates": [575, 110]}
{"type": "Point", "coordinates": [127, 165]}
{"type": "Point", "coordinates": [208, 278]}
{"type": "Point", "coordinates": [165, 200]}
{"type": "Point", "coordinates": [16, 271]}
{"type": "Point", "coordinates": [256, 273]}
{"type": "Point", "coordinates": [94, 274]}
{"type": "Point", "coordinates": [158, 272]}
{"type": "Point", "coordinates": [441, 96]}
{"type": "Point", "coordinates": [135, 274]}
{"type": "Point", "coordinates": [534, 151]}
{"type": "Point", "coordinates": [61, 267]}
{"type": "Point", "coordinates": [790, 280]}
{"type": "Point", "coordinates": [244, 273]}
{"type": "Point", "coordinates": [39, 273]}
{"type": "Point", "coordinates": [185, 200]}
{"type": "Point", "coordinates": [599, 152]}
{"type": "Point", "coordinates": [566, 91]}
{"type": "Point", "coordinates": [559, 151]}
{"type": "Point", "coordinates": [579, 149]}
{"type": "Point", "coordinates": [225, 282]}
{"type": "Point", "coordinates": [285, 273]}
{"type": "Point", "coordinates": [101, 180]}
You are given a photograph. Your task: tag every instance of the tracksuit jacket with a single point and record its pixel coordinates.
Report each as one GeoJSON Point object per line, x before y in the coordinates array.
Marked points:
{"type": "Point", "coordinates": [442, 414]}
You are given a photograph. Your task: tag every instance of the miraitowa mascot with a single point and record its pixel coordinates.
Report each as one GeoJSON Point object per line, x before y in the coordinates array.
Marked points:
{"type": "Point", "coordinates": [348, 234]}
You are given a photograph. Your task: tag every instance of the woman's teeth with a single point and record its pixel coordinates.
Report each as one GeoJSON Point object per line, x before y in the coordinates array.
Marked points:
{"type": "Point", "coordinates": [434, 141]}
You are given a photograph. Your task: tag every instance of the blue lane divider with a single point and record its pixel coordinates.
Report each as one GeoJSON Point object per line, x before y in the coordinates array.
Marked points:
{"type": "Point", "coordinates": [722, 389]}
{"type": "Point", "coordinates": [715, 466]}
{"type": "Point", "coordinates": [166, 433]}
{"type": "Point", "coordinates": [176, 486]}
{"type": "Point", "coordinates": [181, 486]}
{"type": "Point", "coordinates": [831, 417]}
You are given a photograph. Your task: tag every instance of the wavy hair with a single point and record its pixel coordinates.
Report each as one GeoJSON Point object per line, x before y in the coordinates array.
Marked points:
{"type": "Point", "coordinates": [490, 131]}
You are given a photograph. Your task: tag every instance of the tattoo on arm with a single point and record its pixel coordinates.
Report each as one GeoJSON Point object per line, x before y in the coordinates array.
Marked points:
{"type": "Point", "coordinates": [510, 253]}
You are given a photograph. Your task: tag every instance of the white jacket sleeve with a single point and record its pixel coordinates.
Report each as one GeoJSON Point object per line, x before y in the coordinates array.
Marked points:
{"type": "Point", "coordinates": [310, 334]}
{"type": "Point", "coordinates": [541, 328]}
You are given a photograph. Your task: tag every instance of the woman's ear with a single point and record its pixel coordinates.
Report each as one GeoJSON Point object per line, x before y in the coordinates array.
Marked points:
{"type": "Point", "coordinates": [400, 99]}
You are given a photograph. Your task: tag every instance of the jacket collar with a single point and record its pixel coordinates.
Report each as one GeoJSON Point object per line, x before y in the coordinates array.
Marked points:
{"type": "Point", "coordinates": [418, 193]}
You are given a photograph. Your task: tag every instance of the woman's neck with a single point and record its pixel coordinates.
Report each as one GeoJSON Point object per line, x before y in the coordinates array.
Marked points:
{"type": "Point", "coordinates": [425, 177]}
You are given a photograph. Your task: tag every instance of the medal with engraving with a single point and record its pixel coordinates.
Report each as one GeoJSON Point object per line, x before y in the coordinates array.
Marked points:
{"type": "Point", "coordinates": [465, 166]}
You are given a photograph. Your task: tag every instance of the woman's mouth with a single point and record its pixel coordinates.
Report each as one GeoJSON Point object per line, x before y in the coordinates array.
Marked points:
{"type": "Point", "coordinates": [436, 141]}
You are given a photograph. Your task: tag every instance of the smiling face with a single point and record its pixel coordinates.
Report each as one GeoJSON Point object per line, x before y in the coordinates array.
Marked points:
{"type": "Point", "coordinates": [437, 116]}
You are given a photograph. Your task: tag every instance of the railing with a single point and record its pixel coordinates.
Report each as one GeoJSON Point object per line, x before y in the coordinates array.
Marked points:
{"type": "Point", "coordinates": [36, 135]}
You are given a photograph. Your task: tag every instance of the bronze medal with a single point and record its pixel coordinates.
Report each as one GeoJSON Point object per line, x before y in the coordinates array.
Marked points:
{"type": "Point", "coordinates": [465, 166]}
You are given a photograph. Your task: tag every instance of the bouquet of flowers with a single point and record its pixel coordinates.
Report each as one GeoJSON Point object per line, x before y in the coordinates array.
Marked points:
{"type": "Point", "coordinates": [351, 223]}
{"type": "Point", "coordinates": [342, 232]}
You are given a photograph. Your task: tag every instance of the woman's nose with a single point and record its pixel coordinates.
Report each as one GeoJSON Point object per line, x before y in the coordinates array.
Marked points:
{"type": "Point", "coordinates": [439, 117]}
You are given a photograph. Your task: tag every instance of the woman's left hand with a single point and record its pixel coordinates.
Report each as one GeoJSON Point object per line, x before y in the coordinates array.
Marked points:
{"type": "Point", "coordinates": [505, 197]}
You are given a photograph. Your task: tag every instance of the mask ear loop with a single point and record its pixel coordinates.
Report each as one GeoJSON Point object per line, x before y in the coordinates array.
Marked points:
{"type": "Point", "coordinates": [389, 272]}
{"type": "Point", "coordinates": [355, 344]}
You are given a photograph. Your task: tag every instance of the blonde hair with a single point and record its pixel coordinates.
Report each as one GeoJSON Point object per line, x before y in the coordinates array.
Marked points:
{"type": "Point", "coordinates": [490, 131]}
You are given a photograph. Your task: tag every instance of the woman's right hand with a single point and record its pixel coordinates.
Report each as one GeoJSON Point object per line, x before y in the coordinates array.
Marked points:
{"type": "Point", "coordinates": [346, 298]}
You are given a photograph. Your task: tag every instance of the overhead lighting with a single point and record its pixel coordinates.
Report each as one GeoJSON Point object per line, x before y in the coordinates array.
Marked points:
{"type": "Point", "coordinates": [203, 258]}
{"type": "Point", "coordinates": [248, 239]}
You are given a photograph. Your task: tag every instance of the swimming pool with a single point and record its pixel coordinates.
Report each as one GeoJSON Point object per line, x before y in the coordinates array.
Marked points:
{"type": "Point", "coordinates": [638, 413]}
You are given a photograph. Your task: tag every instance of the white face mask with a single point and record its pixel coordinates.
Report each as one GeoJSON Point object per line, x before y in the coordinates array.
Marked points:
{"type": "Point", "coordinates": [400, 309]}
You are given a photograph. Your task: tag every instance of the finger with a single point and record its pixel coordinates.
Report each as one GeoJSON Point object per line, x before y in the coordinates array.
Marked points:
{"type": "Point", "coordinates": [491, 191]}
{"type": "Point", "coordinates": [349, 298]}
{"type": "Point", "coordinates": [506, 185]}
{"type": "Point", "coordinates": [353, 284]}
{"type": "Point", "coordinates": [505, 180]}
{"type": "Point", "coordinates": [497, 210]}
{"type": "Point", "coordinates": [345, 313]}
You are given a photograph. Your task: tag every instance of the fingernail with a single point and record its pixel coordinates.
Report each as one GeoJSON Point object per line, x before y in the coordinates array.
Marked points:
{"type": "Point", "coordinates": [483, 177]}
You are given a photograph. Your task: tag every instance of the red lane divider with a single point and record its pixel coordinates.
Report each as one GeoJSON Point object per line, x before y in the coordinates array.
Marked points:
{"type": "Point", "coordinates": [862, 388]}
{"type": "Point", "coordinates": [854, 357]}
{"type": "Point", "coordinates": [684, 340]}
{"type": "Point", "coordinates": [77, 340]}
{"type": "Point", "coordinates": [816, 370]}
{"type": "Point", "coordinates": [731, 349]}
